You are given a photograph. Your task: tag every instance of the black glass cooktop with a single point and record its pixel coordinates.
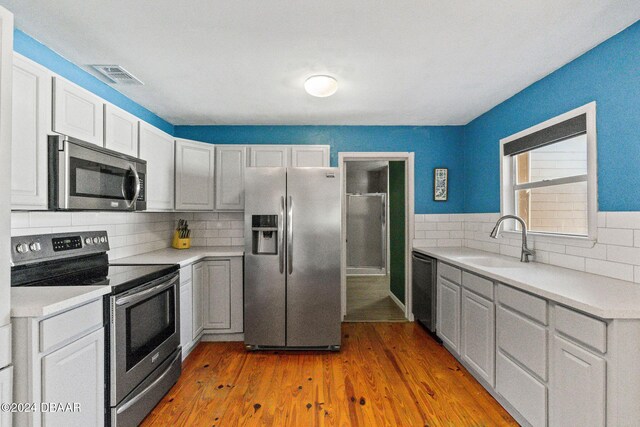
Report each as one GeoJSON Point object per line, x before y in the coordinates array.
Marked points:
{"type": "Point", "coordinates": [88, 271]}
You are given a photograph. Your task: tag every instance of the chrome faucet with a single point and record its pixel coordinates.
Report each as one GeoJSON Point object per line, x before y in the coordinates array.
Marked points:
{"type": "Point", "coordinates": [526, 252]}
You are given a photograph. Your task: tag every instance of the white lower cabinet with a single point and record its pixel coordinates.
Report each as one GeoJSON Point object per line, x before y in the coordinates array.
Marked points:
{"type": "Point", "coordinates": [222, 296]}
{"type": "Point", "coordinates": [448, 313]}
{"type": "Point", "coordinates": [198, 298]}
{"type": "Point", "coordinates": [60, 359]}
{"type": "Point", "coordinates": [522, 390]}
{"type": "Point", "coordinates": [550, 365]}
{"type": "Point", "coordinates": [578, 386]}
{"type": "Point", "coordinates": [217, 306]}
{"type": "Point", "coordinates": [211, 301]}
{"type": "Point", "coordinates": [478, 334]}
{"type": "Point", "coordinates": [186, 314]}
{"type": "Point", "coordinates": [6, 395]}
{"type": "Point", "coordinates": [73, 375]}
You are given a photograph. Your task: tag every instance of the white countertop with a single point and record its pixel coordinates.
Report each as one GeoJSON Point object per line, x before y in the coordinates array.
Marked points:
{"type": "Point", "coordinates": [35, 301]}
{"type": "Point", "coordinates": [597, 295]}
{"type": "Point", "coordinates": [183, 257]}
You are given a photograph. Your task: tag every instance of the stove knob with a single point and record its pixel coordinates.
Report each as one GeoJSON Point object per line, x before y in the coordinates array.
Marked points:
{"type": "Point", "coordinates": [96, 240]}
{"type": "Point", "coordinates": [88, 241]}
{"type": "Point", "coordinates": [22, 248]}
{"type": "Point", "coordinates": [35, 246]}
{"type": "Point", "coordinates": [103, 239]}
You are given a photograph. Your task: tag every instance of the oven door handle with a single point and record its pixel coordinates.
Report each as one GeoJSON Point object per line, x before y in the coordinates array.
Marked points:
{"type": "Point", "coordinates": [139, 296]}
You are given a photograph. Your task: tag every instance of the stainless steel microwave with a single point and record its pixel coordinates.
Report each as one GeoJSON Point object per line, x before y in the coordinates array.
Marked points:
{"type": "Point", "coordinates": [84, 176]}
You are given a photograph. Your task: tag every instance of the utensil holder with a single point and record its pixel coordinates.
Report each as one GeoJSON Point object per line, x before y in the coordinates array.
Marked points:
{"type": "Point", "coordinates": [179, 243]}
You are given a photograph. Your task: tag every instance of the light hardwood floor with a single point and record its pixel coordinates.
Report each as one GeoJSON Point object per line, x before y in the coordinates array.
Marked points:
{"type": "Point", "coordinates": [368, 300]}
{"type": "Point", "coordinates": [387, 374]}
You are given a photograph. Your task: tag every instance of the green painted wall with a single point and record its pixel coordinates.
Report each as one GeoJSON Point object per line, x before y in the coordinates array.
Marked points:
{"type": "Point", "coordinates": [397, 218]}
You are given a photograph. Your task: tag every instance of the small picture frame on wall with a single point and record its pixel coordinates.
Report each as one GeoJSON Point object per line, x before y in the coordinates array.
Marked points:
{"type": "Point", "coordinates": [440, 184]}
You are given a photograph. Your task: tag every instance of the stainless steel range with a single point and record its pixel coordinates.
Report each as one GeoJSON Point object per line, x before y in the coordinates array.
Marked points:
{"type": "Point", "coordinates": [143, 354]}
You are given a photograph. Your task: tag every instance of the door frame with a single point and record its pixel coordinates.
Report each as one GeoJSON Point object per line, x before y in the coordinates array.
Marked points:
{"type": "Point", "coordinates": [408, 158]}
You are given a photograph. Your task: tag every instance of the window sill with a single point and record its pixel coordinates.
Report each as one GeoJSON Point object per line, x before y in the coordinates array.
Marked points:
{"type": "Point", "coordinates": [582, 241]}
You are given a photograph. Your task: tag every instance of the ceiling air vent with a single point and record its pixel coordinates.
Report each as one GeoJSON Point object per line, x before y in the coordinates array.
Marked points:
{"type": "Point", "coordinates": [117, 74]}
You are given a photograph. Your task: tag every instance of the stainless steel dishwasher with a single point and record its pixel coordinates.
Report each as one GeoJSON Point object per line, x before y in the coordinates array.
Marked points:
{"type": "Point", "coordinates": [424, 290]}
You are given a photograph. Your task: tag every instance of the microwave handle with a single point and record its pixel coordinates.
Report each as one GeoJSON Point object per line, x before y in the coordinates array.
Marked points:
{"type": "Point", "coordinates": [137, 192]}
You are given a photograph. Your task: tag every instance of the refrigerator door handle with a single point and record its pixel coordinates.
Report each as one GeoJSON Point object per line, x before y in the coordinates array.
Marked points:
{"type": "Point", "coordinates": [290, 236]}
{"type": "Point", "coordinates": [281, 235]}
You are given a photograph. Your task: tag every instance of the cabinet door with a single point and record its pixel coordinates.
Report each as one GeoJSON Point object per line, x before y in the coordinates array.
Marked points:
{"type": "Point", "coordinates": [230, 163]}
{"type": "Point", "coordinates": [186, 315]}
{"type": "Point", "coordinates": [478, 334]}
{"type": "Point", "coordinates": [194, 175]}
{"type": "Point", "coordinates": [6, 395]}
{"type": "Point", "coordinates": [31, 123]}
{"type": "Point", "coordinates": [269, 156]}
{"type": "Point", "coordinates": [217, 290]}
{"type": "Point", "coordinates": [120, 130]}
{"type": "Point", "coordinates": [577, 392]}
{"type": "Point", "coordinates": [309, 156]}
{"type": "Point", "coordinates": [198, 299]}
{"type": "Point", "coordinates": [157, 148]}
{"type": "Point", "coordinates": [75, 374]}
{"type": "Point", "coordinates": [77, 112]}
{"type": "Point", "coordinates": [448, 320]}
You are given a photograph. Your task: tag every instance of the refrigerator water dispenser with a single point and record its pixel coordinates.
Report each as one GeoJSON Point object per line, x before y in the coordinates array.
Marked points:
{"type": "Point", "coordinates": [265, 234]}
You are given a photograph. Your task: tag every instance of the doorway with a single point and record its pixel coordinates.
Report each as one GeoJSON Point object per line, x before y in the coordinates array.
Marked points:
{"type": "Point", "coordinates": [377, 218]}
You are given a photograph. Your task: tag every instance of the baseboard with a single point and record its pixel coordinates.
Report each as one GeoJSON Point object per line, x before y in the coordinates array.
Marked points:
{"type": "Point", "coordinates": [396, 300]}
{"type": "Point", "coordinates": [208, 337]}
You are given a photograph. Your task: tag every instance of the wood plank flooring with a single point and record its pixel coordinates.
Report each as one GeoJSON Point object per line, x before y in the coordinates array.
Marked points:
{"type": "Point", "coordinates": [368, 300]}
{"type": "Point", "coordinates": [387, 374]}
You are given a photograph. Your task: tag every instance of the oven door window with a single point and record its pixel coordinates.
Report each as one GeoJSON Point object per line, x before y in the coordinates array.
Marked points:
{"type": "Point", "coordinates": [97, 180]}
{"type": "Point", "coordinates": [149, 324]}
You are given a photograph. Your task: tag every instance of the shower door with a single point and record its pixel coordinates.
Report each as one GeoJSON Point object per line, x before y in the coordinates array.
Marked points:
{"type": "Point", "coordinates": [366, 234]}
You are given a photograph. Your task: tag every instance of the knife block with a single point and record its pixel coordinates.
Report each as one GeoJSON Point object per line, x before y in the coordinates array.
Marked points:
{"type": "Point", "coordinates": [179, 243]}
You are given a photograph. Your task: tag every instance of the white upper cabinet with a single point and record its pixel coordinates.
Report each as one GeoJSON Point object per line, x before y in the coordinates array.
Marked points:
{"type": "Point", "coordinates": [31, 121]}
{"type": "Point", "coordinates": [120, 130]}
{"type": "Point", "coordinates": [157, 148]}
{"type": "Point", "coordinates": [310, 156]}
{"type": "Point", "coordinates": [194, 175]}
{"type": "Point", "coordinates": [269, 156]}
{"type": "Point", "coordinates": [230, 161]}
{"type": "Point", "coordinates": [77, 112]}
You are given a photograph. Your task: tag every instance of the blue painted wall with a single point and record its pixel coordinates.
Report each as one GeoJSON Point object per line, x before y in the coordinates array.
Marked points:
{"type": "Point", "coordinates": [608, 74]}
{"type": "Point", "coordinates": [434, 146]}
{"type": "Point", "coordinates": [36, 51]}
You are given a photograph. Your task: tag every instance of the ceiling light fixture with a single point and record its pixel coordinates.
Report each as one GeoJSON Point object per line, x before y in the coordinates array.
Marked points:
{"type": "Point", "coordinates": [321, 86]}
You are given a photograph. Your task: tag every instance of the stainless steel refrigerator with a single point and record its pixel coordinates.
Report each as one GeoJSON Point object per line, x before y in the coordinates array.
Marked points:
{"type": "Point", "coordinates": [292, 258]}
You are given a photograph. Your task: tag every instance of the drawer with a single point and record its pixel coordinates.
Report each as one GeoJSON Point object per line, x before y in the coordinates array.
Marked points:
{"type": "Point", "coordinates": [449, 272]}
{"type": "Point", "coordinates": [527, 304]}
{"type": "Point", "coordinates": [70, 325]}
{"type": "Point", "coordinates": [477, 284]}
{"type": "Point", "coordinates": [524, 340]}
{"type": "Point", "coordinates": [585, 329]}
{"type": "Point", "coordinates": [526, 394]}
{"type": "Point", "coordinates": [185, 274]}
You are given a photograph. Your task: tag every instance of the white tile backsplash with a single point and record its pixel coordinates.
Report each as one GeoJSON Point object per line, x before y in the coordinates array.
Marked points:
{"type": "Point", "coordinates": [215, 228]}
{"type": "Point", "coordinates": [130, 233]}
{"type": "Point", "coordinates": [616, 252]}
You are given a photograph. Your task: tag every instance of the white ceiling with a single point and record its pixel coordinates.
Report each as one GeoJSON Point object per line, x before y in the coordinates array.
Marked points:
{"type": "Point", "coordinates": [409, 62]}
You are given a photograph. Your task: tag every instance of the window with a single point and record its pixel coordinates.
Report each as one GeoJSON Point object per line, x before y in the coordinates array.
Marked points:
{"type": "Point", "coordinates": [549, 175]}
